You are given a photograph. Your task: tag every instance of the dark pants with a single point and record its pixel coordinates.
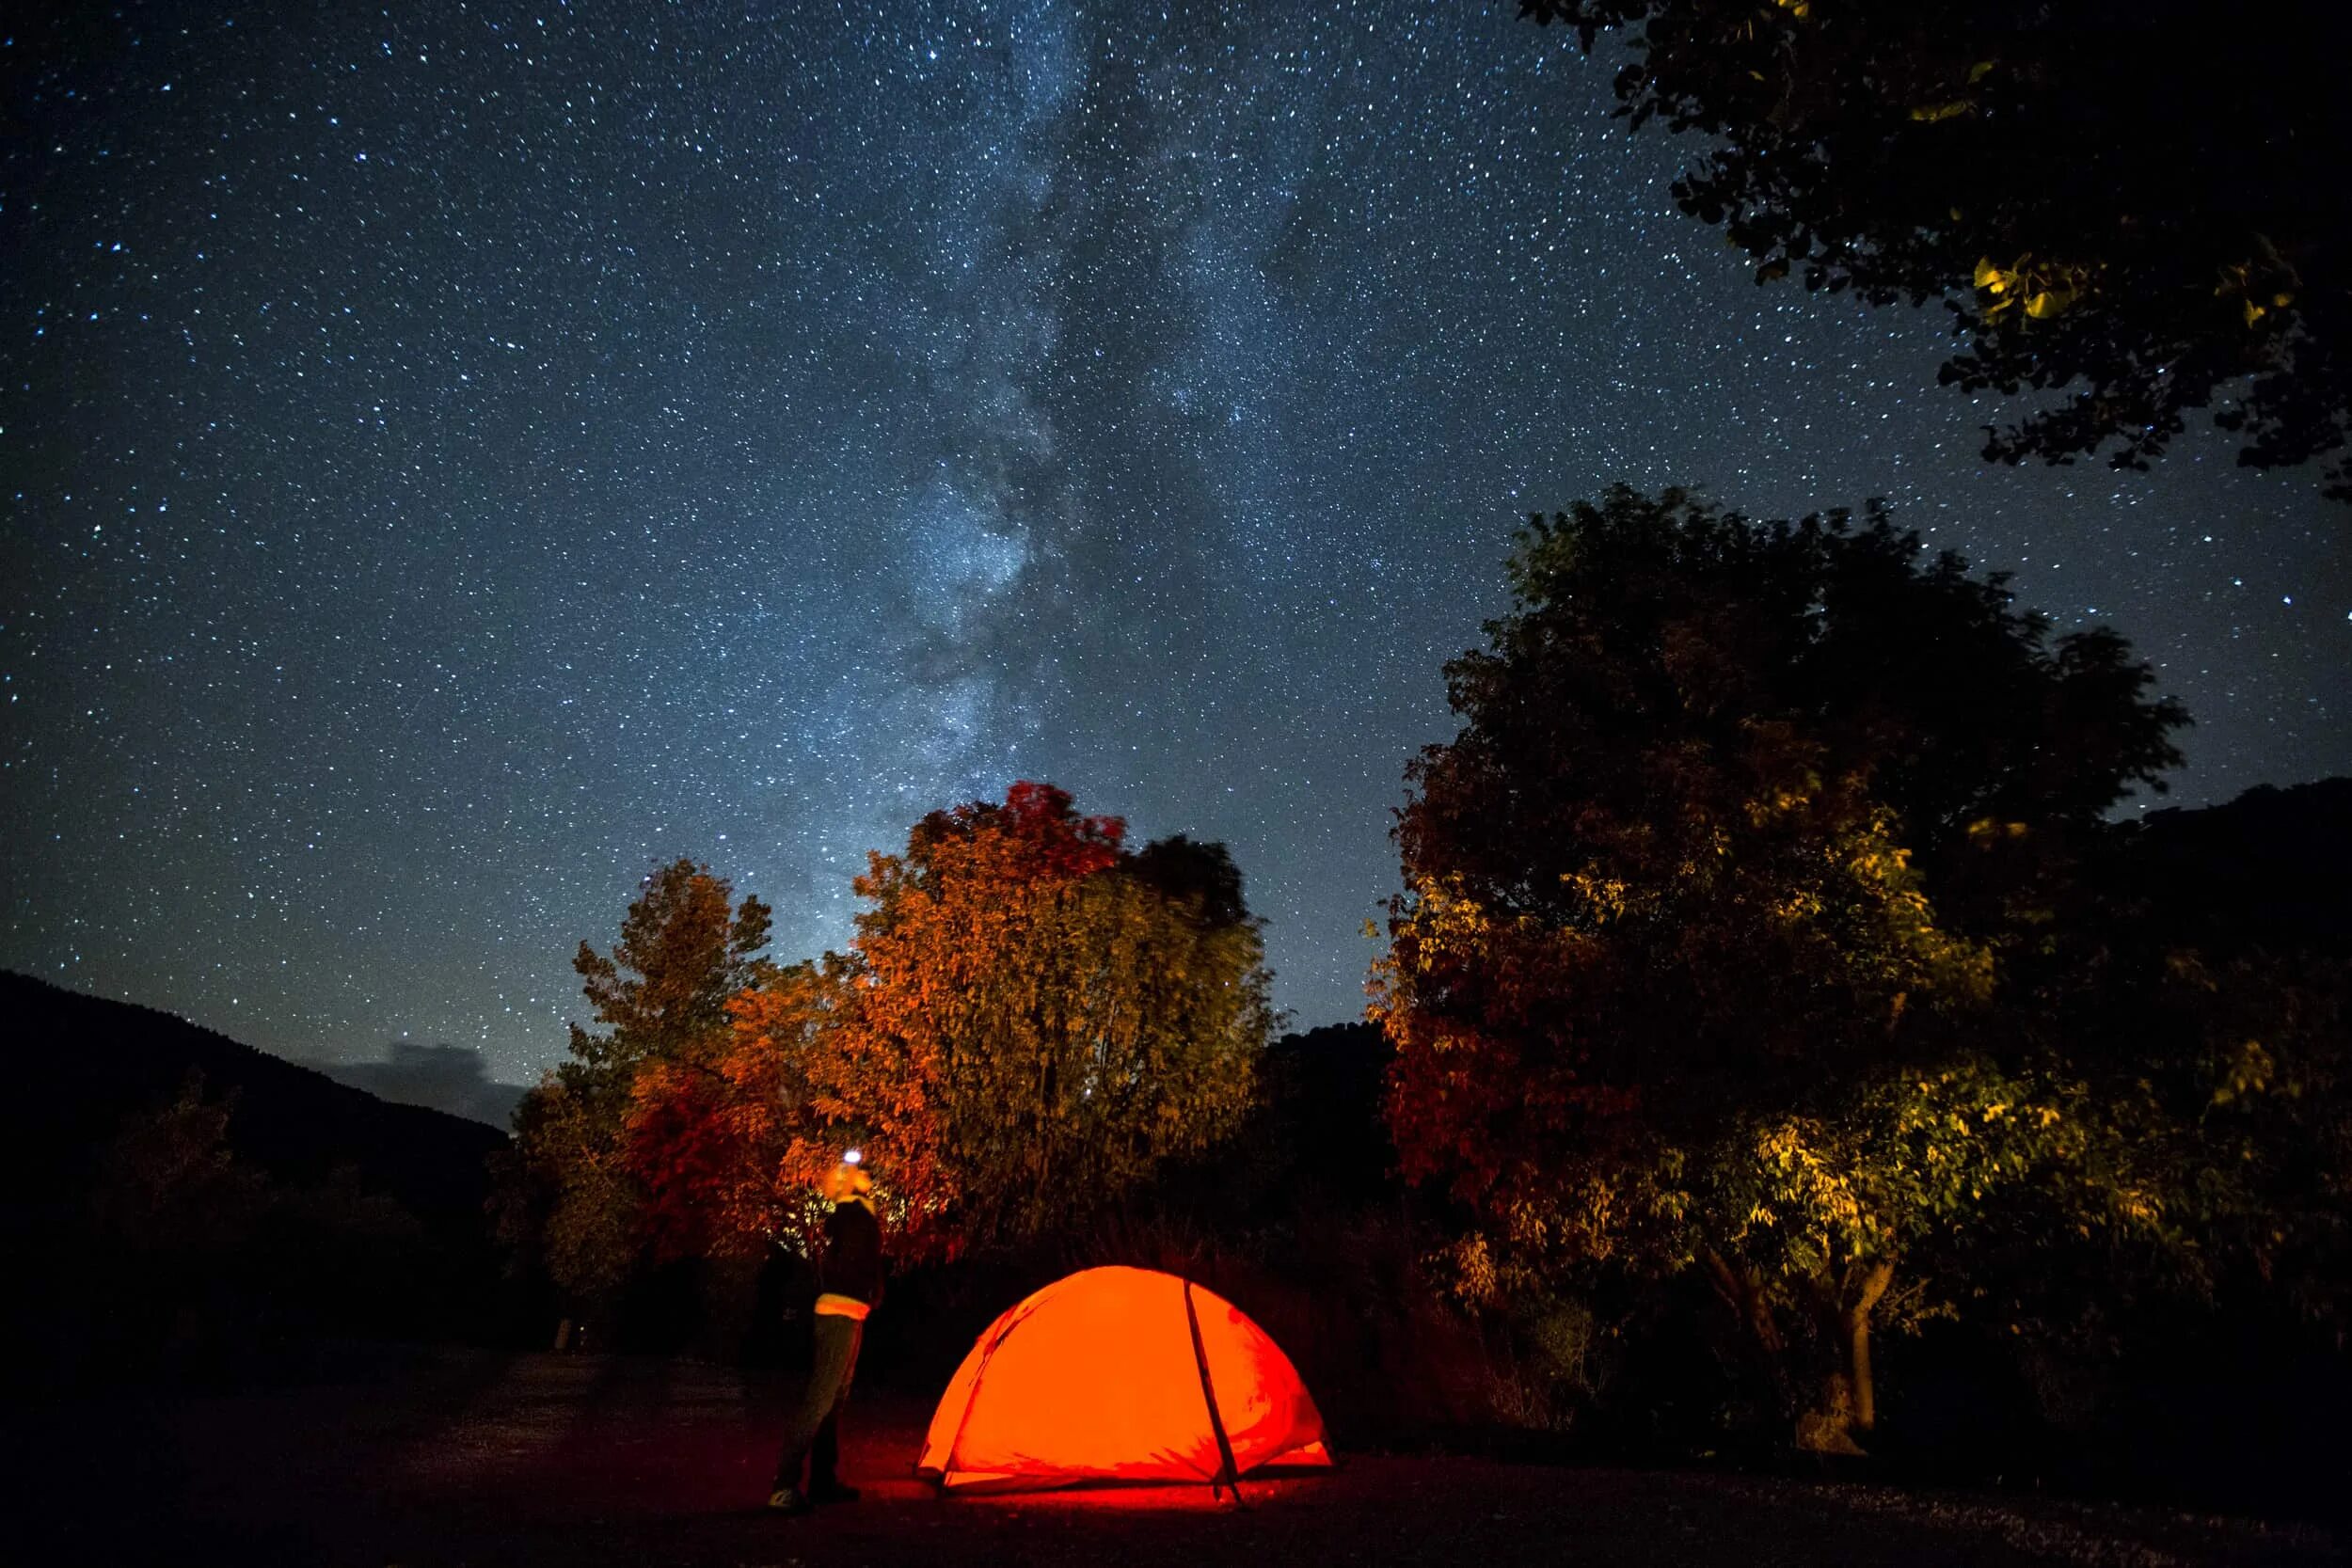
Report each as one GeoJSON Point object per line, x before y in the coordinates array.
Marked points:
{"type": "Point", "coordinates": [813, 1436]}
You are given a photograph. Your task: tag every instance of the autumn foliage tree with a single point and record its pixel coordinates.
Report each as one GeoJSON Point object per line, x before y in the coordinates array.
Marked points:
{"type": "Point", "coordinates": [732, 1151]}
{"type": "Point", "coordinates": [2139, 201]}
{"type": "Point", "coordinates": [1711, 909]}
{"type": "Point", "coordinates": [1032, 1020]}
{"type": "Point", "coordinates": [599, 1141]}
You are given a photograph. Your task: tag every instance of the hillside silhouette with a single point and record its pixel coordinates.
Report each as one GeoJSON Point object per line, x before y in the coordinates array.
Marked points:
{"type": "Point", "coordinates": [82, 1064]}
{"type": "Point", "coordinates": [2271, 869]}
{"type": "Point", "coordinates": [184, 1208]}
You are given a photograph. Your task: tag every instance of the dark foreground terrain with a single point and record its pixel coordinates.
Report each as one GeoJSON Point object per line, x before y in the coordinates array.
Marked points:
{"type": "Point", "coordinates": [581, 1460]}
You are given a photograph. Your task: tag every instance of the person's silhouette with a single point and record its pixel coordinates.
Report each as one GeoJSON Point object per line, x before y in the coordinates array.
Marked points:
{"type": "Point", "coordinates": [850, 1286]}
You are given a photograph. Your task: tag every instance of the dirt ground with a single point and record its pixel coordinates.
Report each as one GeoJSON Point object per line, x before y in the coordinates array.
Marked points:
{"type": "Point", "coordinates": [474, 1459]}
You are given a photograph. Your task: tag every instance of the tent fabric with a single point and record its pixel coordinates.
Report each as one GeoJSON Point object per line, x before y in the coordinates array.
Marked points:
{"type": "Point", "coordinates": [1096, 1378]}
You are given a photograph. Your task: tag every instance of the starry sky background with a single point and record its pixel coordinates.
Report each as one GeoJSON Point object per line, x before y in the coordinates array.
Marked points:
{"type": "Point", "coordinates": [459, 456]}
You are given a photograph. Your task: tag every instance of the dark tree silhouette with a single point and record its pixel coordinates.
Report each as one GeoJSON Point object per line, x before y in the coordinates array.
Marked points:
{"type": "Point", "coordinates": [1716, 912]}
{"type": "Point", "coordinates": [2141, 201]}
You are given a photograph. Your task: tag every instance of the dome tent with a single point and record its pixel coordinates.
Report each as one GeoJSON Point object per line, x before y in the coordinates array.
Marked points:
{"type": "Point", "coordinates": [1120, 1374]}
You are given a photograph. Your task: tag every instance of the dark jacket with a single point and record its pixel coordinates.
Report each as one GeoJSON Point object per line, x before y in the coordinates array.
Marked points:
{"type": "Point", "coordinates": [853, 1255]}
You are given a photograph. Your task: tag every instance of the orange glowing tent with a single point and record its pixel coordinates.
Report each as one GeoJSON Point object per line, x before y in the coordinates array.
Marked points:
{"type": "Point", "coordinates": [1120, 1374]}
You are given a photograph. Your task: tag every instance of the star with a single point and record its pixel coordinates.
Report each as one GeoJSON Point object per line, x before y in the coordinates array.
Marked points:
{"type": "Point", "coordinates": [456, 465]}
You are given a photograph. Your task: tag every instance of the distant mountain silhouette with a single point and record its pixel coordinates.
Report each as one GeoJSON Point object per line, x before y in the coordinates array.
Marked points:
{"type": "Point", "coordinates": [2271, 869]}
{"type": "Point", "coordinates": [79, 1066]}
{"type": "Point", "coordinates": [447, 1078]}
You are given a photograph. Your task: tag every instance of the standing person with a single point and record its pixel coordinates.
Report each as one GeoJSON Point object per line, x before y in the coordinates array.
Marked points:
{"type": "Point", "coordinates": [850, 1286]}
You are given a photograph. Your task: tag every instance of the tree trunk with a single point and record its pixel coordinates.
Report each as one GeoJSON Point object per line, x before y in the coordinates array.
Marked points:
{"type": "Point", "coordinates": [1848, 1401]}
{"type": "Point", "coordinates": [1865, 1413]}
{"type": "Point", "coordinates": [1744, 1291]}
{"type": "Point", "coordinates": [1868, 1287]}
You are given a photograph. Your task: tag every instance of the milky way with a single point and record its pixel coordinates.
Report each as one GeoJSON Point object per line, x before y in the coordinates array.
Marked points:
{"type": "Point", "coordinates": [459, 456]}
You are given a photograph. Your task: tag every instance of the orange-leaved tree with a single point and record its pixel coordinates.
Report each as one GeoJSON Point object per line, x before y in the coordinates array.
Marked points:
{"type": "Point", "coordinates": [577, 1186]}
{"type": "Point", "coordinates": [1032, 1018]}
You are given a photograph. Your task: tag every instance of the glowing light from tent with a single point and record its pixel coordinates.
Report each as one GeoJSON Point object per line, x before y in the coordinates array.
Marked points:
{"type": "Point", "coordinates": [1100, 1377]}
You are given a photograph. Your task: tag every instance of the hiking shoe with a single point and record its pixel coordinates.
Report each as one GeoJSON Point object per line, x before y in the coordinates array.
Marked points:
{"type": "Point", "coordinates": [831, 1492]}
{"type": "Point", "coordinates": [789, 1499]}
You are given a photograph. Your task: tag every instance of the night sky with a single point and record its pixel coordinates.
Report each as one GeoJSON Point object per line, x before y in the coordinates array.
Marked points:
{"type": "Point", "coordinates": [458, 456]}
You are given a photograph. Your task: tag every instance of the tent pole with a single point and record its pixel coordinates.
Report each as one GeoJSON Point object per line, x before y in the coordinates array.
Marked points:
{"type": "Point", "coordinates": [1226, 1472]}
{"type": "Point", "coordinates": [979, 1375]}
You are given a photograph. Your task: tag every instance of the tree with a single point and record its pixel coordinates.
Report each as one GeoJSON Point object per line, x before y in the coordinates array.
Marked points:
{"type": "Point", "coordinates": [732, 1154]}
{"type": "Point", "coordinates": [2141, 201]}
{"type": "Point", "coordinates": [1033, 1019]}
{"type": "Point", "coordinates": [1711, 909]}
{"type": "Point", "coordinates": [170, 1185]}
{"type": "Point", "coordinates": [663, 992]}
{"type": "Point", "coordinates": [578, 1186]}
{"type": "Point", "coordinates": [2212, 973]}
